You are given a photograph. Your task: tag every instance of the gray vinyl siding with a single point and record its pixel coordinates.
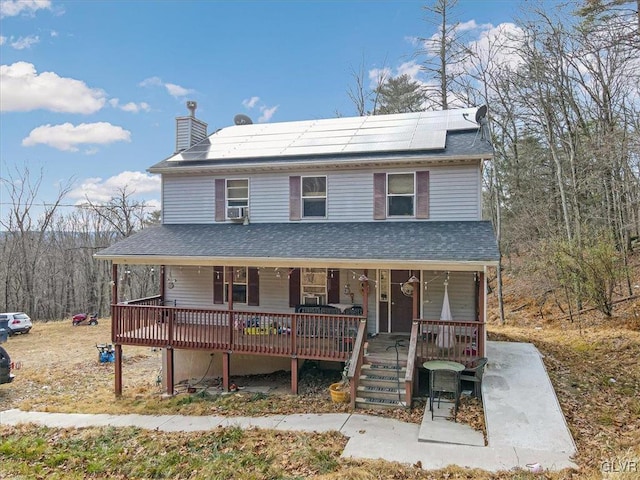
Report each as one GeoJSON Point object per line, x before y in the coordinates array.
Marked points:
{"type": "Point", "coordinates": [188, 199]}
{"type": "Point", "coordinates": [462, 295]}
{"type": "Point", "coordinates": [192, 286]}
{"type": "Point", "coordinates": [454, 195]}
{"type": "Point", "coordinates": [269, 202]}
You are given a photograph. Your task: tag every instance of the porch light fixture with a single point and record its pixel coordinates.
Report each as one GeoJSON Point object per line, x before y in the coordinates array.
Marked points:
{"type": "Point", "coordinates": [278, 274]}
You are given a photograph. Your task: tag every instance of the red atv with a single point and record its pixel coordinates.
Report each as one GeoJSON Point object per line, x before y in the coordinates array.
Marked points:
{"type": "Point", "coordinates": [81, 318]}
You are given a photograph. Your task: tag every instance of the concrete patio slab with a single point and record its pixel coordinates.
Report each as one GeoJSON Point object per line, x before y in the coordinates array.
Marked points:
{"type": "Point", "coordinates": [441, 430]}
{"type": "Point", "coordinates": [520, 404]}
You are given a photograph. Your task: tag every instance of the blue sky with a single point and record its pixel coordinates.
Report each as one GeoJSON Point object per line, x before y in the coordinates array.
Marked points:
{"type": "Point", "coordinates": [90, 90]}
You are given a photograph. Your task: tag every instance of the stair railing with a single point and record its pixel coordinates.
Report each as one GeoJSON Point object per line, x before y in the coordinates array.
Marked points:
{"type": "Point", "coordinates": [410, 374]}
{"type": "Point", "coordinates": [355, 364]}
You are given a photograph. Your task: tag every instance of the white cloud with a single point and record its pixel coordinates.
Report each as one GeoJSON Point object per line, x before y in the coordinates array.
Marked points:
{"type": "Point", "coordinates": [267, 113]}
{"type": "Point", "coordinates": [22, 89]}
{"type": "Point", "coordinates": [135, 183]}
{"type": "Point", "coordinates": [131, 107]}
{"type": "Point", "coordinates": [2, 40]}
{"type": "Point", "coordinates": [67, 137]}
{"type": "Point", "coordinates": [11, 8]}
{"type": "Point", "coordinates": [54, 34]}
{"type": "Point", "coordinates": [411, 69]}
{"type": "Point", "coordinates": [25, 42]}
{"type": "Point", "coordinates": [466, 26]}
{"type": "Point", "coordinates": [250, 102]}
{"type": "Point", "coordinates": [151, 82]}
{"type": "Point", "coordinates": [174, 90]}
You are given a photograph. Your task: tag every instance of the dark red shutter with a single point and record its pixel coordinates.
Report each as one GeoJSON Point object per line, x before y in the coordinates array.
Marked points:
{"type": "Point", "coordinates": [294, 287]}
{"type": "Point", "coordinates": [220, 199]}
{"type": "Point", "coordinates": [294, 198]}
{"type": "Point", "coordinates": [333, 286]}
{"type": "Point", "coordinates": [253, 286]}
{"type": "Point", "coordinates": [422, 194]}
{"type": "Point", "coordinates": [218, 284]}
{"type": "Point", "coordinates": [379, 196]}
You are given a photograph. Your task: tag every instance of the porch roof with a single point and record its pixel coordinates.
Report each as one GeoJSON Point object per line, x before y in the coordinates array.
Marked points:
{"type": "Point", "coordinates": [463, 245]}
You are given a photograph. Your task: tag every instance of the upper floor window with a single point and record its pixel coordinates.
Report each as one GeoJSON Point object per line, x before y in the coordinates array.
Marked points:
{"type": "Point", "coordinates": [314, 196]}
{"type": "Point", "coordinates": [238, 193]}
{"type": "Point", "coordinates": [400, 194]}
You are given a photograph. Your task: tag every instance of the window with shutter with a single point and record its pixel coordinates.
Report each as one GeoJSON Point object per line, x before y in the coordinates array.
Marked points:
{"type": "Point", "coordinates": [314, 197]}
{"type": "Point", "coordinates": [239, 288]}
{"type": "Point", "coordinates": [400, 194]}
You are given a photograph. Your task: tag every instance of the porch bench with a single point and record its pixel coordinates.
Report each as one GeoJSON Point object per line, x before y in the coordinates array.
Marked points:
{"type": "Point", "coordinates": [329, 310]}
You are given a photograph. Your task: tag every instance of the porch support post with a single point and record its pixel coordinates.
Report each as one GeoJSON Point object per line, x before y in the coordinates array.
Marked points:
{"type": "Point", "coordinates": [294, 375]}
{"type": "Point", "coordinates": [170, 371]}
{"type": "Point", "coordinates": [118, 369]}
{"type": "Point", "coordinates": [415, 295]}
{"type": "Point", "coordinates": [114, 300]}
{"type": "Point", "coordinates": [163, 282]}
{"type": "Point", "coordinates": [114, 283]}
{"type": "Point", "coordinates": [226, 370]}
{"type": "Point", "coordinates": [230, 303]}
{"type": "Point", "coordinates": [365, 295]}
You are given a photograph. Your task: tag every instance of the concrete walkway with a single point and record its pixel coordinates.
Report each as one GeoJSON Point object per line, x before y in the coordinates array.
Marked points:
{"type": "Point", "coordinates": [523, 425]}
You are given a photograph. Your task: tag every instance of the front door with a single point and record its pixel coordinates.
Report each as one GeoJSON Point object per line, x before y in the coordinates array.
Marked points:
{"type": "Point", "coordinates": [401, 305]}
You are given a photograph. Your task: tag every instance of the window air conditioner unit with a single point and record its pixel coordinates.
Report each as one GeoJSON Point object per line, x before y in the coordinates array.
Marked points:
{"type": "Point", "coordinates": [237, 212]}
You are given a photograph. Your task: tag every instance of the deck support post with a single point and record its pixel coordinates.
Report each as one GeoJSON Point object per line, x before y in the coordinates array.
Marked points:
{"type": "Point", "coordinates": [226, 370]}
{"type": "Point", "coordinates": [170, 371]}
{"type": "Point", "coordinates": [294, 375]}
{"type": "Point", "coordinates": [118, 369]}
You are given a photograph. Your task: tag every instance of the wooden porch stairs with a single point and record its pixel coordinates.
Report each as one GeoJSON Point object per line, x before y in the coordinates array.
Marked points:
{"type": "Point", "coordinates": [381, 383]}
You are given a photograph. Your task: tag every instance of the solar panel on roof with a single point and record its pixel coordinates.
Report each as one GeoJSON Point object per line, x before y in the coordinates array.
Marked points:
{"type": "Point", "coordinates": [398, 132]}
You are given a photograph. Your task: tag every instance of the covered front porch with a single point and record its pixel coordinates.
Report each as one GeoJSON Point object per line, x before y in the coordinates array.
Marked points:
{"type": "Point", "coordinates": [233, 291]}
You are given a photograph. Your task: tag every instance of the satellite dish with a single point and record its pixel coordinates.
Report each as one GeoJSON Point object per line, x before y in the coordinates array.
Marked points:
{"type": "Point", "coordinates": [242, 119]}
{"type": "Point", "coordinates": [481, 113]}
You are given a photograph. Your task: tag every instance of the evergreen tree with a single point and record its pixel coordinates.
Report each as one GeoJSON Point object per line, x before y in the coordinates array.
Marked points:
{"type": "Point", "coordinates": [400, 95]}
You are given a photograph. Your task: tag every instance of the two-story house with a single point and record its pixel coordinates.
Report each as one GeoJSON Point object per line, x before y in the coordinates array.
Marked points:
{"type": "Point", "coordinates": [311, 240]}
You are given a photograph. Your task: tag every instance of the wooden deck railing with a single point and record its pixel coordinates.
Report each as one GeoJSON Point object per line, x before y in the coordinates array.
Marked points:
{"type": "Point", "coordinates": [355, 363]}
{"type": "Point", "coordinates": [155, 300]}
{"type": "Point", "coordinates": [311, 336]}
{"type": "Point", "coordinates": [456, 340]}
{"type": "Point", "coordinates": [410, 375]}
